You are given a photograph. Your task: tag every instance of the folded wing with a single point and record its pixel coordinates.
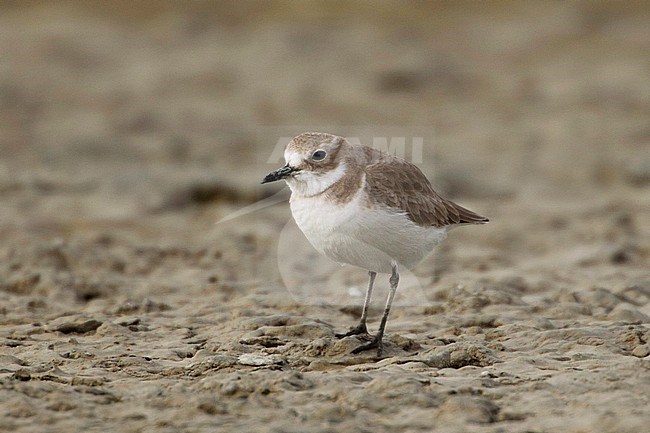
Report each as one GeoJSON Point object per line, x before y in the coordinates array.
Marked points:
{"type": "Point", "coordinates": [400, 185]}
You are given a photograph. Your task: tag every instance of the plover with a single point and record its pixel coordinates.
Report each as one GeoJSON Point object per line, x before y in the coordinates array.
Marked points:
{"type": "Point", "coordinates": [363, 207]}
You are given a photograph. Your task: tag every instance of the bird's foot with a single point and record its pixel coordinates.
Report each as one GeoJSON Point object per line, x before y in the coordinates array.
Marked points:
{"type": "Point", "coordinates": [376, 343]}
{"type": "Point", "coordinates": [358, 330]}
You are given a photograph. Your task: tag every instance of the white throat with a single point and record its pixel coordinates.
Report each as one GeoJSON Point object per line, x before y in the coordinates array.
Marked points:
{"type": "Point", "coordinates": [309, 184]}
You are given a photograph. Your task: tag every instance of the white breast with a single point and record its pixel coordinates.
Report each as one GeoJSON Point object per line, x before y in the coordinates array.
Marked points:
{"type": "Point", "coordinates": [370, 238]}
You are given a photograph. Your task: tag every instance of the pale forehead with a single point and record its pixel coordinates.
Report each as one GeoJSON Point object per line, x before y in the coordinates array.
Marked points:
{"type": "Point", "coordinates": [310, 141]}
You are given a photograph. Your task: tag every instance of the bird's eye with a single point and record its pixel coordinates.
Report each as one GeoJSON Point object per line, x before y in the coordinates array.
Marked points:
{"type": "Point", "coordinates": [318, 155]}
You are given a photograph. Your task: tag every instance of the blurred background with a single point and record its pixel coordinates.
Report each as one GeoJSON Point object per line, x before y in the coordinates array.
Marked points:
{"type": "Point", "coordinates": [145, 122]}
{"type": "Point", "coordinates": [129, 128]}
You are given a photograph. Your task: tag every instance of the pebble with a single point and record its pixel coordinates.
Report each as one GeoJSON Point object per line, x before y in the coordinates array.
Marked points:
{"type": "Point", "coordinates": [457, 355]}
{"type": "Point", "coordinates": [256, 359]}
{"type": "Point", "coordinates": [22, 374]}
{"type": "Point", "coordinates": [641, 351]}
{"type": "Point", "coordinates": [73, 325]}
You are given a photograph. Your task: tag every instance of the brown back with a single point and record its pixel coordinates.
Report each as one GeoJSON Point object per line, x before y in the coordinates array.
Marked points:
{"type": "Point", "coordinates": [400, 185]}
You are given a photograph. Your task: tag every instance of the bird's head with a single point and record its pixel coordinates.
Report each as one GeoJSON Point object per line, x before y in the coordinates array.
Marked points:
{"type": "Point", "coordinates": [314, 161]}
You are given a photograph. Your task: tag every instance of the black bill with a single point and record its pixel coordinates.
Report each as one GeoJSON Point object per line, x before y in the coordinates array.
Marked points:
{"type": "Point", "coordinates": [279, 174]}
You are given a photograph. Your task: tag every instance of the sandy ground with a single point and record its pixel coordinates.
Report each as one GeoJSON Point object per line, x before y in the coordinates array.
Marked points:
{"type": "Point", "coordinates": [127, 132]}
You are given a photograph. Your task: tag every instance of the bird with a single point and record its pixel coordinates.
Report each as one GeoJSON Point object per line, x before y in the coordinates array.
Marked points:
{"type": "Point", "coordinates": [361, 206]}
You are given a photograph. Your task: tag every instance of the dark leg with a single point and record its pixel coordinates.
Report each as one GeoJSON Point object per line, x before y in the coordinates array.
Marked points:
{"type": "Point", "coordinates": [361, 327]}
{"type": "Point", "coordinates": [377, 341]}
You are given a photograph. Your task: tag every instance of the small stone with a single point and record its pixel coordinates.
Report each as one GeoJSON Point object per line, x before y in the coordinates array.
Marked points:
{"type": "Point", "coordinates": [22, 374]}
{"type": "Point", "coordinates": [457, 355]}
{"type": "Point", "coordinates": [641, 351]}
{"type": "Point", "coordinates": [263, 340]}
{"type": "Point", "coordinates": [257, 359]}
{"type": "Point", "coordinates": [110, 328]}
{"type": "Point", "coordinates": [73, 325]}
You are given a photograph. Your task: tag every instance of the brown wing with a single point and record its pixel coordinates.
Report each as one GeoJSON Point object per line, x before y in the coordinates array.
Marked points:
{"type": "Point", "coordinates": [400, 185]}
